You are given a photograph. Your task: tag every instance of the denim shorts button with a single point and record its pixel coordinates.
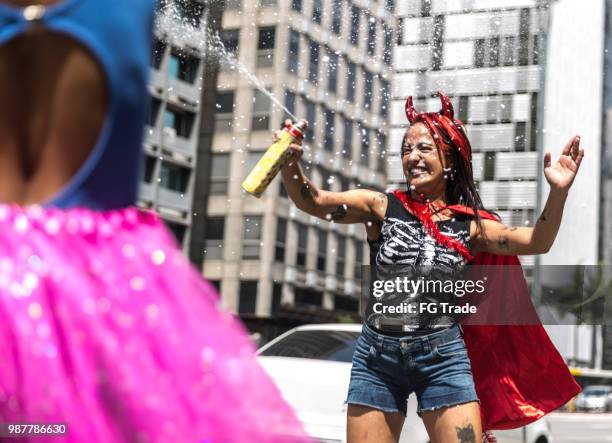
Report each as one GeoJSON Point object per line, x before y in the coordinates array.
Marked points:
{"type": "Point", "coordinates": [404, 345]}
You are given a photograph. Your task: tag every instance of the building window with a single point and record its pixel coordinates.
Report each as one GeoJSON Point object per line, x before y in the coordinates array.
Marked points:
{"type": "Point", "coordinates": [153, 111]}
{"type": "Point", "coordinates": [261, 111]}
{"type": "Point", "coordinates": [308, 297]}
{"type": "Point", "coordinates": [509, 51]}
{"type": "Point", "coordinates": [313, 70]}
{"type": "Point", "coordinates": [302, 244]}
{"type": "Point", "coordinates": [149, 169]}
{"type": "Point", "coordinates": [438, 43]}
{"type": "Point", "coordinates": [364, 159]}
{"type": "Point", "coordinates": [332, 72]}
{"type": "Point", "coordinates": [281, 239]}
{"type": "Point", "coordinates": [214, 236]}
{"type": "Point", "coordinates": [294, 51]}
{"type": "Point", "coordinates": [520, 136]}
{"type": "Point", "coordinates": [381, 140]}
{"type": "Point", "coordinates": [290, 103]}
{"type": "Point", "coordinates": [347, 146]}
{"type": "Point", "coordinates": [321, 250]}
{"type": "Point", "coordinates": [296, 5]}
{"type": "Point", "coordinates": [489, 166]}
{"type": "Point", "coordinates": [494, 52]}
{"type": "Point", "coordinates": [317, 11]}
{"type": "Point", "coordinates": [368, 90]}
{"type": "Point", "coordinates": [247, 299]}
{"type": "Point", "coordinates": [358, 258]}
{"type": "Point", "coordinates": [388, 51]}
{"type": "Point", "coordinates": [189, 11]}
{"type": "Point", "coordinates": [251, 236]}
{"type": "Point", "coordinates": [336, 21]}
{"type": "Point", "coordinates": [463, 109]}
{"type": "Point", "coordinates": [311, 116]}
{"type": "Point", "coordinates": [425, 8]}
{"type": "Point", "coordinates": [178, 230]}
{"type": "Point", "coordinates": [230, 39]}
{"type": "Point", "coordinates": [351, 76]}
{"type": "Point", "coordinates": [219, 176]}
{"type": "Point", "coordinates": [159, 48]}
{"type": "Point", "coordinates": [345, 303]}
{"type": "Point", "coordinates": [390, 5]}
{"type": "Point", "coordinates": [277, 295]}
{"type": "Point", "coordinates": [264, 3]}
{"type": "Point", "coordinates": [183, 67]}
{"type": "Point", "coordinates": [341, 256]}
{"type": "Point", "coordinates": [371, 35]}
{"type": "Point", "coordinates": [224, 111]}
{"type": "Point", "coordinates": [355, 16]}
{"type": "Point", "coordinates": [330, 129]}
{"type": "Point", "coordinates": [265, 47]}
{"type": "Point", "coordinates": [385, 99]}
{"type": "Point", "coordinates": [180, 121]}
{"type": "Point", "coordinates": [174, 177]}
{"type": "Point", "coordinates": [233, 5]}
{"type": "Point", "coordinates": [479, 53]}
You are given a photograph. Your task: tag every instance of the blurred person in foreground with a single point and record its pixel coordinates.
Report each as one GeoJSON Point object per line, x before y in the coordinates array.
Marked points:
{"type": "Point", "coordinates": [104, 325]}
{"type": "Point", "coordinates": [467, 379]}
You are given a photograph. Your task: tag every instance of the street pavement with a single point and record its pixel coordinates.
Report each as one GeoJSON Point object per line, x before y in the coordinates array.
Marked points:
{"type": "Point", "coordinates": [580, 427]}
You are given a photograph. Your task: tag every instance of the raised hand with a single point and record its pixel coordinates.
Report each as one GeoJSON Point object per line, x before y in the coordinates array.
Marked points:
{"type": "Point", "coordinates": [561, 175]}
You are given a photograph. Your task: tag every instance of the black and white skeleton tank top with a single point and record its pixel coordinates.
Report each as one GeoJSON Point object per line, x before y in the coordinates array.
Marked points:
{"type": "Point", "coordinates": [405, 250]}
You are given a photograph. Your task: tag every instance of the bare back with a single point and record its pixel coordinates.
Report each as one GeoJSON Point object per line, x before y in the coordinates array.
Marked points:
{"type": "Point", "coordinates": [53, 100]}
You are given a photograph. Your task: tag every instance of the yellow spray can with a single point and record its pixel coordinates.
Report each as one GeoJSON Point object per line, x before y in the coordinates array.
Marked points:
{"type": "Point", "coordinates": [273, 159]}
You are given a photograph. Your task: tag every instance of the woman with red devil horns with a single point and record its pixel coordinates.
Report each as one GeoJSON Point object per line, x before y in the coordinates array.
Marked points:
{"type": "Point", "coordinates": [467, 379]}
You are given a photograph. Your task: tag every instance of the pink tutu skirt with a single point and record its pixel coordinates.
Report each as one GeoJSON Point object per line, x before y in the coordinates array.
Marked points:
{"type": "Point", "coordinates": [105, 326]}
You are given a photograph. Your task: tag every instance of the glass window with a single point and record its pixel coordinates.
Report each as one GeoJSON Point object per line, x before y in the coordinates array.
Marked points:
{"type": "Point", "coordinates": [371, 35]}
{"type": "Point", "coordinates": [173, 66]}
{"type": "Point", "coordinates": [290, 102]}
{"type": "Point", "coordinates": [159, 47]}
{"type": "Point", "coordinates": [317, 11]}
{"type": "Point", "coordinates": [368, 90]}
{"type": "Point", "coordinates": [281, 238]}
{"type": "Point", "coordinates": [388, 51]}
{"type": "Point", "coordinates": [149, 169]}
{"type": "Point", "coordinates": [174, 177]}
{"type": "Point", "coordinates": [313, 71]}
{"type": "Point", "coordinates": [330, 130]}
{"type": "Point", "coordinates": [302, 244]}
{"type": "Point", "coordinates": [347, 146]}
{"type": "Point", "coordinates": [262, 106]}
{"type": "Point", "coordinates": [178, 230]}
{"type": "Point", "coordinates": [247, 298]}
{"type": "Point", "coordinates": [355, 17]}
{"type": "Point", "coordinates": [214, 236]}
{"type": "Point", "coordinates": [322, 249]}
{"type": "Point", "coordinates": [341, 256]}
{"type": "Point", "coordinates": [251, 235]}
{"type": "Point", "coordinates": [224, 111]}
{"type": "Point", "coordinates": [294, 51]}
{"type": "Point", "coordinates": [315, 344]}
{"type": "Point", "coordinates": [336, 21]}
{"type": "Point", "coordinates": [364, 159]}
{"type": "Point", "coordinates": [181, 121]}
{"type": "Point", "coordinates": [308, 297]}
{"type": "Point", "coordinates": [266, 38]}
{"type": "Point", "coordinates": [230, 39]}
{"type": "Point", "coordinates": [385, 97]}
{"type": "Point", "coordinates": [332, 71]}
{"type": "Point", "coordinates": [311, 116]}
{"type": "Point", "coordinates": [219, 176]}
{"type": "Point", "coordinates": [296, 5]}
{"type": "Point", "coordinates": [351, 76]}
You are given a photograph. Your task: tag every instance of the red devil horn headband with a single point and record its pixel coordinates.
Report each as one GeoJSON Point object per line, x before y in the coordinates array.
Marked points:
{"type": "Point", "coordinates": [446, 111]}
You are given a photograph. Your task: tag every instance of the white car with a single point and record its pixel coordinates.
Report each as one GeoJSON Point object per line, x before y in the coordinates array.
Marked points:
{"type": "Point", "coordinates": [312, 365]}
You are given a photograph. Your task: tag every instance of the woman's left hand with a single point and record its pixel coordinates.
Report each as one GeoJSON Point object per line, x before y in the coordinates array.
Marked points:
{"type": "Point", "coordinates": [561, 175]}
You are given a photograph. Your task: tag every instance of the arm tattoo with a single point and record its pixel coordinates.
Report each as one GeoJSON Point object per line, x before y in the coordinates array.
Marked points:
{"type": "Point", "coordinates": [503, 242]}
{"type": "Point", "coordinates": [306, 192]}
{"type": "Point", "coordinates": [382, 197]}
{"type": "Point", "coordinates": [339, 213]}
{"type": "Point", "coordinates": [466, 434]}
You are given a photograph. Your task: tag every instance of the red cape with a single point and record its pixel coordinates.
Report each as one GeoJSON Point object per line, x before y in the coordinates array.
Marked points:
{"type": "Point", "coordinates": [519, 374]}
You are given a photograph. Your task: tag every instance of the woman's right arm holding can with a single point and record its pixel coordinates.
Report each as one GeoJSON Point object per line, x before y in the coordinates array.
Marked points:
{"type": "Point", "coordinates": [354, 206]}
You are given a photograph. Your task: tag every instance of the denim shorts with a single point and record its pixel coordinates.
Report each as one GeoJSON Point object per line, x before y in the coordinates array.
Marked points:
{"type": "Point", "coordinates": [387, 369]}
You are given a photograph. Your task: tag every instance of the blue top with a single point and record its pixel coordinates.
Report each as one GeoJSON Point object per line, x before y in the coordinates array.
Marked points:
{"type": "Point", "coordinates": [119, 34]}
